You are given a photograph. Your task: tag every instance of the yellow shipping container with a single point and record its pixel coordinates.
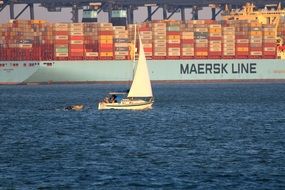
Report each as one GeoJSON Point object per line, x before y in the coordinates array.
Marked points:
{"type": "Point", "coordinates": [173, 37]}
{"type": "Point", "coordinates": [106, 54]}
{"type": "Point", "coordinates": [201, 53]}
{"type": "Point", "coordinates": [105, 37]}
{"type": "Point", "coordinates": [269, 33]}
{"type": "Point", "coordinates": [215, 30]}
{"type": "Point", "coordinates": [256, 33]}
{"type": "Point", "coordinates": [38, 21]}
{"type": "Point", "coordinates": [242, 49]}
{"type": "Point", "coordinates": [105, 41]}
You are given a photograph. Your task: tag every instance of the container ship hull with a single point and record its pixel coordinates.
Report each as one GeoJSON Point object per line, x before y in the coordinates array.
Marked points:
{"type": "Point", "coordinates": [203, 70]}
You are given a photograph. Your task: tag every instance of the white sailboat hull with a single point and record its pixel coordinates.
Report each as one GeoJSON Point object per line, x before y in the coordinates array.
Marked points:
{"type": "Point", "coordinates": [126, 105]}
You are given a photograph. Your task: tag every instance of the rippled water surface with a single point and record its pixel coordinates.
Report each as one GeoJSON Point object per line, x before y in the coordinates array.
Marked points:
{"type": "Point", "coordinates": [197, 136]}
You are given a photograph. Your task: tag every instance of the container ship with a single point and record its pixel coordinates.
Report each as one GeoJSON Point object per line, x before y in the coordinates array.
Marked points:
{"type": "Point", "coordinates": [245, 45]}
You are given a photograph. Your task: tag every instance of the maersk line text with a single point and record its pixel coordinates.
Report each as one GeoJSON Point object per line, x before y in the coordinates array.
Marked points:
{"type": "Point", "coordinates": [218, 68]}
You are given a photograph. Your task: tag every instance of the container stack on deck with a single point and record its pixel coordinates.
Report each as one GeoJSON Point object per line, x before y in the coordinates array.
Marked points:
{"type": "Point", "coordinates": [47, 42]}
{"type": "Point", "coordinates": [159, 40]}
{"type": "Point", "coordinates": [242, 39]}
{"type": "Point", "coordinates": [269, 41]}
{"type": "Point", "coordinates": [145, 32]}
{"type": "Point", "coordinates": [201, 36]}
{"type": "Point", "coordinates": [106, 45]}
{"type": "Point", "coordinates": [121, 43]}
{"type": "Point", "coordinates": [281, 29]}
{"type": "Point", "coordinates": [91, 41]}
{"type": "Point", "coordinates": [256, 40]}
{"type": "Point", "coordinates": [229, 40]}
{"type": "Point", "coordinates": [76, 41]}
{"type": "Point", "coordinates": [173, 32]}
{"type": "Point", "coordinates": [215, 40]}
{"type": "Point", "coordinates": [202, 39]}
{"type": "Point", "coordinates": [61, 42]}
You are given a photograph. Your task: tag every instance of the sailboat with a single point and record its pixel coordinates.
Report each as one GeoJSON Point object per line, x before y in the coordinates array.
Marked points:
{"type": "Point", "coordinates": [140, 95]}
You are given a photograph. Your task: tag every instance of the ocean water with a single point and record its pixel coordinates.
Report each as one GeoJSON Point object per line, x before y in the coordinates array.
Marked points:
{"type": "Point", "coordinates": [197, 136]}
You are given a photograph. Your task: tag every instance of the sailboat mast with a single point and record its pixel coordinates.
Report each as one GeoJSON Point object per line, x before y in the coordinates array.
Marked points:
{"type": "Point", "coordinates": [135, 41]}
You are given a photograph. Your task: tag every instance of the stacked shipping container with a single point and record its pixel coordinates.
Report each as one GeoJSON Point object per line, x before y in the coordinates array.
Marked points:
{"type": "Point", "coordinates": [91, 41]}
{"type": "Point", "coordinates": [121, 42]}
{"type": "Point", "coordinates": [159, 40]}
{"type": "Point", "coordinates": [173, 37]}
{"type": "Point", "coordinates": [202, 39]}
{"type": "Point", "coordinates": [105, 39]}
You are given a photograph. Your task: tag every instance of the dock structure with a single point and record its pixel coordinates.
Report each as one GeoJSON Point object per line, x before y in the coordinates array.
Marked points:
{"type": "Point", "coordinates": [125, 8]}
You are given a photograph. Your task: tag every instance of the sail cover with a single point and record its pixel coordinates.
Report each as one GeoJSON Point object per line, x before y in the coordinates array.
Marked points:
{"type": "Point", "coordinates": [141, 86]}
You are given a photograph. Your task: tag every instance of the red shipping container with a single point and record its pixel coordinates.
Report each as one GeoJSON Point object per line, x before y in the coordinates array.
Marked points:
{"type": "Point", "coordinates": [241, 37]}
{"type": "Point", "coordinates": [187, 41]}
{"type": "Point", "coordinates": [173, 33]}
{"type": "Point", "coordinates": [76, 50]}
{"type": "Point", "coordinates": [144, 29]}
{"type": "Point", "coordinates": [61, 41]}
{"type": "Point", "coordinates": [242, 44]}
{"type": "Point", "coordinates": [102, 49]}
{"type": "Point", "coordinates": [55, 33]}
{"type": "Point", "coordinates": [198, 49]}
{"type": "Point", "coordinates": [75, 54]}
{"type": "Point", "coordinates": [76, 38]}
{"type": "Point", "coordinates": [256, 48]}
{"type": "Point", "coordinates": [105, 32]}
{"type": "Point", "coordinates": [215, 53]}
{"type": "Point", "coordinates": [106, 46]}
{"type": "Point", "coordinates": [76, 46]}
{"type": "Point", "coordinates": [269, 52]}
{"type": "Point", "coordinates": [148, 49]}
{"type": "Point", "coordinates": [269, 44]}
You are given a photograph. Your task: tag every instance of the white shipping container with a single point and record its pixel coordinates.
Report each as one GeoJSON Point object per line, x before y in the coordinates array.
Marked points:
{"type": "Point", "coordinates": [188, 54]}
{"type": "Point", "coordinates": [269, 49]}
{"type": "Point", "coordinates": [256, 53]}
{"type": "Point", "coordinates": [201, 41]}
{"type": "Point", "coordinates": [61, 37]}
{"type": "Point", "coordinates": [229, 53]}
{"type": "Point", "coordinates": [215, 26]}
{"type": "Point", "coordinates": [159, 53]}
{"type": "Point", "coordinates": [61, 54]}
{"type": "Point", "coordinates": [177, 41]}
{"type": "Point", "coordinates": [159, 33]}
{"type": "Point", "coordinates": [91, 54]}
{"type": "Point", "coordinates": [121, 36]}
{"type": "Point", "coordinates": [173, 49]}
{"type": "Point", "coordinates": [201, 29]}
{"type": "Point", "coordinates": [159, 25]}
{"type": "Point", "coordinates": [242, 41]}
{"type": "Point", "coordinates": [174, 53]}
{"type": "Point", "coordinates": [77, 33]}
{"type": "Point", "coordinates": [121, 53]}
{"type": "Point", "coordinates": [159, 41]}
{"type": "Point", "coordinates": [121, 45]}
{"type": "Point", "coordinates": [76, 41]}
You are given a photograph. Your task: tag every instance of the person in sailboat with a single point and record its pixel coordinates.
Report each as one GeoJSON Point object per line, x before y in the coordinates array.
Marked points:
{"type": "Point", "coordinates": [113, 98]}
